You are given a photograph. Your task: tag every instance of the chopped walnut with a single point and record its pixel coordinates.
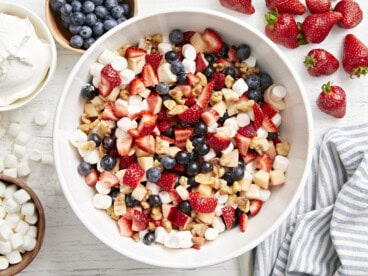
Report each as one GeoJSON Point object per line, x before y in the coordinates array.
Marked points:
{"type": "Point", "coordinates": [111, 213]}
{"type": "Point", "coordinates": [229, 81]}
{"type": "Point", "coordinates": [124, 94]}
{"type": "Point", "coordinates": [202, 79]}
{"type": "Point", "coordinates": [216, 97]}
{"type": "Point", "coordinates": [204, 178]}
{"type": "Point", "coordinates": [123, 49]}
{"type": "Point", "coordinates": [177, 95]}
{"type": "Point", "coordinates": [156, 213]}
{"type": "Point", "coordinates": [177, 109]}
{"type": "Point", "coordinates": [283, 148]}
{"type": "Point", "coordinates": [169, 104]}
{"type": "Point", "coordinates": [245, 106]}
{"type": "Point", "coordinates": [88, 146]}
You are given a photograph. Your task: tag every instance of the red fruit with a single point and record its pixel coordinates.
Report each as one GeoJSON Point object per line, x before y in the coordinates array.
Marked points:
{"type": "Point", "coordinates": [242, 143]}
{"type": "Point", "coordinates": [124, 145]}
{"type": "Point", "coordinates": [242, 6]}
{"type": "Point", "coordinates": [154, 102]}
{"type": "Point", "coordinates": [109, 76]}
{"type": "Point", "coordinates": [318, 6]}
{"type": "Point", "coordinates": [247, 131]}
{"type": "Point", "coordinates": [231, 54]}
{"type": "Point", "coordinates": [154, 60]}
{"type": "Point", "coordinates": [149, 76]}
{"type": "Point", "coordinates": [255, 206]}
{"type": "Point", "coordinates": [167, 139]}
{"type": "Point", "coordinates": [190, 101]}
{"type": "Point", "coordinates": [258, 116]}
{"type": "Point", "coordinates": [202, 204]}
{"type": "Point", "coordinates": [268, 109]}
{"type": "Point", "coordinates": [163, 126]}
{"type": "Point", "coordinates": [201, 62]}
{"type": "Point", "coordinates": [228, 213]}
{"type": "Point", "coordinates": [332, 100]}
{"type": "Point", "coordinates": [187, 35]}
{"type": "Point", "coordinates": [224, 62]}
{"type": "Point", "coordinates": [320, 62]}
{"type": "Point", "coordinates": [133, 52]}
{"type": "Point", "coordinates": [91, 178]}
{"type": "Point", "coordinates": [263, 162]}
{"type": "Point", "coordinates": [205, 95]}
{"type": "Point", "coordinates": [139, 220]}
{"type": "Point", "coordinates": [286, 6]}
{"type": "Point", "coordinates": [251, 155]}
{"type": "Point", "coordinates": [167, 181]}
{"type": "Point", "coordinates": [210, 117]}
{"type": "Point", "coordinates": [180, 219]}
{"type": "Point", "coordinates": [108, 112]}
{"type": "Point", "coordinates": [191, 115]}
{"type": "Point", "coordinates": [120, 109]}
{"type": "Point", "coordinates": [282, 29]}
{"type": "Point", "coordinates": [146, 143]}
{"type": "Point", "coordinates": [182, 134]}
{"type": "Point", "coordinates": [104, 88]}
{"type": "Point", "coordinates": [133, 175]}
{"type": "Point", "coordinates": [355, 56]}
{"type": "Point", "coordinates": [186, 90]}
{"type": "Point", "coordinates": [351, 12]}
{"type": "Point", "coordinates": [217, 141]}
{"type": "Point", "coordinates": [125, 227]}
{"type": "Point", "coordinates": [269, 125]}
{"type": "Point", "coordinates": [133, 132]}
{"type": "Point", "coordinates": [147, 124]}
{"type": "Point", "coordinates": [219, 79]}
{"type": "Point", "coordinates": [243, 222]}
{"type": "Point", "coordinates": [126, 161]}
{"type": "Point", "coordinates": [136, 86]}
{"type": "Point", "coordinates": [316, 27]}
{"type": "Point", "coordinates": [109, 179]}
{"type": "Point", "coordinates": [213, 41]}
{"type": "Point", "coordinates": [192, 79]}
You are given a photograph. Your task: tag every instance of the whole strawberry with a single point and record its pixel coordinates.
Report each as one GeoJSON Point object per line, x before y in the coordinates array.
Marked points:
{"type": "Point", "coordinates": [351, 12]}
{"type": "Point", "coordinates": [316, 27]}
{"type": "Point", "coordinates": [286, 6]}
{"type": "Point", "coordinates": [318, 6]}
{"type": "Point", "coordinates": [355, 56]}
{"type": "Point", "coordinates": [320, 62]}
{"type": "Point", "coordinates": [332, 100]}
{"type": "Point", "coordinates": [242, 6]}
{"type": "Point", "coordinates": [282, 29]}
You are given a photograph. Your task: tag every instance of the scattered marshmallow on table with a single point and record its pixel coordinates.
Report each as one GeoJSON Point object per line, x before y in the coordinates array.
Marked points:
{"type": "Point", "coordinates": [14, 129]}
{"type": "Point", "coordinates": [41, 118]}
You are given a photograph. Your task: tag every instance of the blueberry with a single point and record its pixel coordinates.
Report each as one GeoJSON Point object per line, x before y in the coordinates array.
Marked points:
{"type": "Point", "coordinates": [66, 9]}
{"type": "Point", "coordinates": [169, 133]}
{"type": "Point", "coordinates": [272, 135]}
{"type": "Point", "coordinates": [202, 149]}
{"type": "Point", "coordinates": [265, 80]}
{"type": "Point", "coordinates": [91, 19]}
{"type": "Point", "coordinates": [253, 81]}
{"type": "Point", "coordinates": [192, 168]}
{"type": "Point", "coordinates": [200, 128]}
{"type": "Point", "coordinates": [227, 177]}
{"type": "Point", "coordinates": [108, 162]}
{"type": "Point", "coordinates": [85, 32]}
{"type": "Point", "coordinates": [98, 29]}
{"type": "Point", "coordinates": [77, 18]}
{"type": "Point", "coordinates": [230, 71]}
{"type": "Point", "coordinates": [117, 11]}
{"type": "Point", "coordinates": [255, 95]}
{"type": "Point", "coordinates": [88, 42]}
{"type": "Point", "coordinates": [97, 2]}
{"type": "Point", "coordinates": [108, 142]}
{"type": "Point", "coordinates": [206, 167]}
{"type": "Point", "coordinates": [208, 72]}
{"type": "Point", "coordinates": [243, 51]}
{"type": "Point", "coordinates": [74, 29]}
{"type": "Point", "coordinates": [154, 200]}
{"type": "Point", "coordinates": [153, 174]}
{"type": "Point", "coordinates": [237, 173]}
{"type": "Point", "coordinates": [223, 51]}
{"type": "Point", "coordinates": [101, 12]}
{"type": "Point", "coordinates": [197, 140]}
{"type": "Point", "coordinates": [182, 157]}
{"type": "Point", "coordinates": [149, 238]}
{"type": "Point", "coordinates": [109, 4]}
{"type": "Point", "coordinates": [168, 162]}
{"type": "Point", "coordinates": [131, 201]}
{"type": "Point", "coordinates": [65, 20]}
{"type": "Point", "coordinates": [177, 67]}
{"type": "Point", "coordinates": [182, 78]}
{"type": "Point", "coordinates": [114, 193]}
{"type": "Point", "coordinates": [121, 19]}
{"type": "Point", "coordinates": [57, 4]}
{"type": "Point", "coordinates": [210, 58]}
{"type": "Point", "coordinates": [241, 163]}
{"type": "Point", "coordinates": [109, 24]}
{"type": "Point", "coordinates": [191, 181]}
{"type": "Point", "coordinates": [170, 56]}
{"type": "Point", "coordinates": [88, 6]}
{"type": "Point", "coordinates": [126, 8]}
{"type": "Point", "coordinates": [185, 207]}
{"type": "Point", "coordinates": [76, 5]}
{"type": "Point", "coordinates": [76, 41]}
{"type": "Point", "coordinates": [95, 138]}
{"type": "Point", "coordinates": [84, 168]}
{"type": "Point", "coordinates": [162, 88]}
{"type": "Point", "coordinates": [176, 36]}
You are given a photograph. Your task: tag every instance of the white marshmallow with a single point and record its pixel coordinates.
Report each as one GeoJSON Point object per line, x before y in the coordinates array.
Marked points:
{"type": "Point", "coordinates": [160, 234]}
{"type": "Point", "coordinates": [10, 190]}
{"type": "Point", "coordinates": [28, 209]}
{"type": "Point", "coordinates": [189, 66]}
{"type": "Point", "coordinates": [135, 100]}
{"type": "Point", "coordinates": [31, 219]}
{"type": "Point", "coordinates": [212, 127]}
{"type": "Point", "coordinates": [250, 168]}
{"type": "Point", "coordinates": [19, 150]}
{"type": "Point", "coordinates": [21, 196]}
{"type": "Point", "coordinates": [41, 118]}
{"type": "Point", "coordinates": [229, 149]}
{"type": "Point", "coordinates": [264, 195]}
{"type": "Point", "coordinates": [5, 247]}
{"type": "Point", "coordinates": [12, 219]}
{"type": "Point", "coordinates": [22, 138]}
{"type": "Point", "coordinates": [126, 76]}
{"type": "Point", "coordinates": [281, 163]}
{"type": "Point", "coordinates": [4, 264]}
{"type": "Point", "coordinates": [144, 103]}
{"type": "Point", "coordinates": [106, 57]}
{"type": "Point", "coordinates": [29, 243]}
{"type": "Point", "coordinates": [276, 119]}
{"type": "Point", "coordinates": [5, 232]}
{"type": "Point", "coordinates": [101, 201]}
{"type": "Point", "coordinates": [185, 238]}
{"type": "Point", "coordinates": [11, 206]}
{"type": "Point", "coordinates": [231, 122]}
{"type": "Point", "coordinates": [221, 199]}
{"type": "Point", "coordinates": [242, 119]}
{"type": "Point", "coordinates": [14, 129]}
{"type": "Point", "coordinates": [218, 210]}
{"type": "Point", "coordinates": [14, 257]}
{"type": "Point", "coordinates": [218, 224]}
{"type": "Point", "coordinates": [154, 188]}
{"type": "Point", "coordinates": [262, 132]}
{"type": "Point", "coordinates": [211, 234]}
{"type": "Point", "coordinates": [2, 188]}
{"type": "Point", "coordinates": [251, 115]}
{"type": "Point", "coordinates": [2, 221]}
{"type": "Point", "coordinates": [96, 80]}
{"type": "Point", "coordinates": [78, 138]}
{"type": "Point", "coordinates": [101, 188]}
{"type": "Point", "coordinates": [121, 134]}
{"type": "Point", "coordinates": [165, 197]}
{"type": "Point", "coordinates": [22, 227]}
{"type": "Point", "coordinates": [210, 155]}
{"type": "Point", "coordinates": [189, 52]}
{"type": "Point", "coordinates": [278, 92]}
{"type": "Point", "coordinates": [177, 239]}
{"type": "Point", "coordinates": [164, 73]}
{"type": "Point", "coordinates": [240, 86]}
{"type": "Point", "coordinates": [119, 63]}
{"type": "Point", "coordinates": [47, 159]}
{"type": "Point", "coordinates": [141, 234]}
{"type": "Point", "coordinates": [164, 47]}
{"type": "Point", "coordinates": [32, 231]}
{"type": "Point", "coordinates": [16, 240]}
{"type": "Point", "coordinates": [251, 61]}
{"type": "Point", "coordinates": [183, 193]}
{"type": "Point", "coordinates": [125, 123]}
{"type": "Point", "coordinates": [95, 69]}
{"type": "Point", "coordinates": [10, 161]}
{"type": "Point", "coordinates": [23, 169]}
{"type": "Point", "coordinates": [132, 109]}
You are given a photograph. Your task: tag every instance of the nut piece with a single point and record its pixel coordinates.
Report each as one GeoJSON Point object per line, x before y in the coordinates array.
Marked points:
{"type": "Point", "coordinates": [216, 97]}
{"type": "Point", "coordinates": [177, 109]}
{"type": "Point", "coordinates": [245, 106]}
{"type": "Point", "coordinates": [177, 95]}
{"type": "Point", "coordinates": [283, 148]}
{"type": "Point", "coordinates": [169, 104]}
{"type": "Point", "coordinates": [204, 178]}
{"type": "Point", "coordinates": [189, 146]}
{"type": "Point", "coordinates": [229, 81]}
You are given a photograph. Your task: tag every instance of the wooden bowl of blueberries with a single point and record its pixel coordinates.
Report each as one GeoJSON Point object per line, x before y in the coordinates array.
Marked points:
{"type": "Point", "coordinates": [77, 24]}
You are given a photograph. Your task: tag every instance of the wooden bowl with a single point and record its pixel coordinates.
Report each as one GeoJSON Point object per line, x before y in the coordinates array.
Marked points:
{"type": "Point", "coordinates": [62, 35]}
{"type": "Point", "coordinates": [28, 256]}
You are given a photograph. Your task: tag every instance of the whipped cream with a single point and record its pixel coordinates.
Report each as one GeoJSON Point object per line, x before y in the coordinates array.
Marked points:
{"type": "Point", "coordinates": [24, 59]}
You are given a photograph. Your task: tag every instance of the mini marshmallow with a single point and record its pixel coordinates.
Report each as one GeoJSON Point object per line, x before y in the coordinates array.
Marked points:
{"type": "Point", "coordinates": [165, 197]}
{"type": "Point", "coordinates": [262, 132]}
{"type": "Point", "coordinates": [242, 119]}
{"type": "Point", "coordinates": [185, 238]}
{"type": "Point", "coordinates": [189, 66]}
{"type": "Point", "coordinates": [189, 52]}
{"type": "Point", "coordinates": [240, 86]}
{"type": "Point", "coordinates": [47, 159]}
{"type": "Point", "coordinates": [135, 100]}
{"type": "Point", "coordinates": [231, 121]}
{"type": "Point", "coordinates": [4, 264]}
{"type": "Point", "coordinates": [21, 196]}
{"type": "Point", "coordinates": [14, 257]}
{"type": "Point", "coordinates": [221, 199]}
{"type": "Point", "coordinates": [250, 168]}
{"type": "Point", "coordinates": [2, 221]}
{"type": "Point", "coordinates": [212, 127]}
{"type": "Point", "coordinates": [28, 209]}
{"type": "Point", "coordinates": [211, 234]}
{"type": "Point", "coordinates": [12, 219]}
{"type": "Point", "coordinates": [281, 163]}
{"type": "Point", "coordinates": [22, 138]}
{"type": "Point", "coordinates": [16, 116]}
{"type": "Point", "coordinates": [78, 138]}
{"type": "Point", "coordinates": [175, 240]}
{"type": "Point", "coordinates": [278, 92]}
{"type": "Point", "coordinates": [276, 119]}
{"type": "Point", "coordinates": [29, 243]}
{"type": "Point", "coordinates": [2, 188]}
{"type": "Point", "coordinates": [134, 109]}
{"type": "Point", "coordinates": [251, 61]}
{"type": "Point", "coordinates": [32, 231]}
{"type": "Point", "coordinates": [264, 195]}
{"type": "Point", "coordinates": [11, 206]}
{"type": "Point", "coordinates": [164, 47]}
{"type": "Point", "coordinates": [218, 224]}
{"type": "Point", "coordinates": [95, 69]}
{"type": "Point", "coordinates": [160, 234]}
{"type": "Point", "coordinates": [154, 188]}
{"type": "Point", "coordinates": [5, 232]}
{"type": "Point", "coordinates": [119, 63]}
{"type": "Point", "coordinates": [14, 129]}
{"type": "Point", "coordinates": [210, 155]}
{"type": "Point", "coordinates": [182, 192]}
{"type": "Point", "coordinates": [41, 118]}
{"type": "Point", "coordinates": [125, 124]}
{"type": "Point", "coordinates": [251, 115]}
{"type": "Point", "coordinates": [106, 57]}
{"type": "Point", "coordinates": [19, 150]}
{"type": "Point", "coordinates": [5, 247]}
{"type": "Point", "coordinates": [101, 201]}
{"type": "Point", "coordinates": [102, 188]}
{"type": "Point", "coordinates": [16, 240]}
{"type": "Point", "coordinates": [121, 134]}
{"type": "Point", "coordinates": [229, 149]}
{"type": "Point", "coordinates": [10, 161]}
{"type": "Point", "coordinates": [218, 210]}
{"type": "Point", "coordinates": [22, 227]}
{"type": "Point", "coordinates": [10, 190]}
{"type": "Point", "coordinates": [126, 76]}
{"type": "Point", "coordinates": [23, 169]}
{"type": "Point", "coordinates": [31, 219]}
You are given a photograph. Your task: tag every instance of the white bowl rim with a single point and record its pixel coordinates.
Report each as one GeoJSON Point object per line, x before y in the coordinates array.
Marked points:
{"type": "Point", "coordinates": [281, 218]}
{"type": "Point", "coordinates": [50, 39]}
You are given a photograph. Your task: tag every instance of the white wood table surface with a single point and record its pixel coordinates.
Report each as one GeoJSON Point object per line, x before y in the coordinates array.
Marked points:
{"type": "Point", "coordinates": [69, 249]}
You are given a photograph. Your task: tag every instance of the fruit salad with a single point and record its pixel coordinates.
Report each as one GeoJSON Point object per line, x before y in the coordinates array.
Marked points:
{"type": "Point", "coordinates": [179, 137]}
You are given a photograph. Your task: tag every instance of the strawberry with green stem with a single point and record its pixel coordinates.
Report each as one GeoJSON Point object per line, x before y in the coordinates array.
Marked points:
{"type": "Point", "coordinates": [320, 62]}
{"type": "Point", "coordinates": [332, 100]}
{"type": "Point", "coordinates": [355, 56]}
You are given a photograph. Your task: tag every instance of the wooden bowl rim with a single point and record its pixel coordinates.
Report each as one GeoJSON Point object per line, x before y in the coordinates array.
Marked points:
{"type": "Point", "coordinates": [29, 256]}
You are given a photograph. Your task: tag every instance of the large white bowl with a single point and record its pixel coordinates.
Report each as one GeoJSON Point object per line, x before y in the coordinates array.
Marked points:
{"type": "Point", "coordinates": [296, 128]}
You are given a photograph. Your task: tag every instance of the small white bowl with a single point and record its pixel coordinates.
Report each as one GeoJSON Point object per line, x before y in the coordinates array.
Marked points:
{"type": "Point", "coordinates": [43, 33]}
{"type": "Point", "coordinates": [296, 128]}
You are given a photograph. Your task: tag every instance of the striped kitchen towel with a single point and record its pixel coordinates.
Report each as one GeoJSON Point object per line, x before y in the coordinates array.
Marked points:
{"type": "Point", "coordinates": [327, 231]}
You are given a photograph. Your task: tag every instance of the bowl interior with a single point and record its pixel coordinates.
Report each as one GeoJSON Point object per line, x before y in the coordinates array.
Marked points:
{"type": "Point", "coordinates": [27, 257]}
{"type": "Point", "coordinates": [296, 128]}
{"type": "Point", "coordinates": [43, 33]}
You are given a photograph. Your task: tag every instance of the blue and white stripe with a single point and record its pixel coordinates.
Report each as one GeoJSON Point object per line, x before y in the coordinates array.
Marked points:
{"type": "Point", "coordinates": [327, 232]}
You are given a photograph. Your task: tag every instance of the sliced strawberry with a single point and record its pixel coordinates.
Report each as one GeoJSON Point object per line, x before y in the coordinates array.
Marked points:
{"type": "Point", "coordinates": [167, 181]}
{"type": "Point", "coordinates": [247, 131]}
{"type": "Point", "coordinates": [269, 125]}
{"type": "Point", "coordinates": [124, 145]}
{"type": "Point", "coordinates": [268, 109]}
{"type": "Point", "coordinates": [264, 162]}
{"type": "Point", "coordinates": [149, 76]}
{"type": "Point", "coordinates": [218, 141]}
{"type": "Point", "coordinates": [136, 86]}
{"type": "Point", "coordinates": [250, 156]}
{"type": "Point", "coordinates": [202, 204]}
{"type": "Point", "coordinates": [154, 60]}
{"type": "Point", "coordinates": [226, 63]}
{"type": "Point", "coordinates": [133, 175]}
{"type": "Point", "coordinates": [210, 117]}
{"type": "Point", "coordinates": [109, 179]}
{"type": "Point", "coordinates": [139, 221]}
{"type": "Point", "coordinates": [182, 134]}
{"type": "Point", "coordinates": [91, 178]}
{"type": "Point", "coordinates": [147, 124]}
{"type": "Point", "coordinates": [130, 211]}
{"type": "Point", "coordinates": [133, 132]}
{"type": "Point", "coordinates": [126, 161]}
{"type": "Point", "coordinates": [231, 54]}
{"type": "Point", "coordinates": [205, 96]}
{"type": "Point", "coordinates": [190, 101]}
{"type": "Point", "coordinates": [167, 139]}
{"type": "Point", "coordinates": [108, 112]}
{"type": "Point", "coordinates": [187, 35]}
{"type": "Point", "coordinates": [255, 206]}
{"type": "Point", "coordinates": [125, 227]}
{"type": "Point", "coordinates": [191, 115]}
{"type": "Point", "coordinates": [104, 88]}
{"type": "Point", "coordinates": [146, 143]}
{"type": "Point", "coordinates": [180, 219]}
{"type": "Point", "coordinates": [213, 41]}
{"type": "Point", "coordinates": [243, 222]}
{"type": "Point", "coordinates": [163, 126]}
{"type": "Point", "coordinates": [154, 102]}
{"type": "Point", "coordinates": [201, 62]}
{"type": "Point", "coordinates": [228, 213]}
{"type": "Point", "coordinates": [185, 89]}
{"type": "Point", "coordinates": [120, 109]}
{"type": "Point", "coordinates": [110, 75]}
{"type": "Point", "coordinates": [133, 52]}
{"type": "Point", "coordinates": [258, 116]}
{"type": "Point", "coordinates": [219, 79]}
{"type": "Point", "coordinates": [196, 246]}
{"type": "Point", "coordinates": [176, 199]}
{"type": "Point", "coordinates": [192, 79]}
{"type": "Point", "coordinates": [242, 143]}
